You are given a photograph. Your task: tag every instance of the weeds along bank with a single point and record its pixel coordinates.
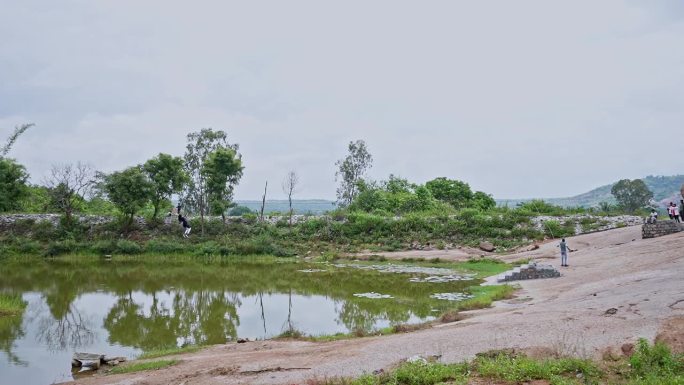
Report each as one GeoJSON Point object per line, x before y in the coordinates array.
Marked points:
{"type": "Point", "coordinates": [340, 232]}
{"type": "Point", "coordinates": [648, 365]}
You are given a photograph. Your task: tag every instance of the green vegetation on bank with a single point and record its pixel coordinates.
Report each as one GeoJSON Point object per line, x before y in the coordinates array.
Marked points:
{"type": "Point", "coordinates": [341, 232]}
{"type": "Point", "coordinates": [140, 366]}
{"type": "Point", "coordinates": [372, 215]}
{"type": "Point", "coordinates": [650, 365]}
{"type": "Point", "coordinates": [11, 304]}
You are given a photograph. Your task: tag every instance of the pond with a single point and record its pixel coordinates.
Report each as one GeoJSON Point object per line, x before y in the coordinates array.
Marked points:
{"type": "Point", "coordinates": [123, 308]}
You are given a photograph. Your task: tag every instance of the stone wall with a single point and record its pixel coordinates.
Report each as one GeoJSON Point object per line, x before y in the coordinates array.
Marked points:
{"type": "Point", "coordinates": [601, 223]}
{"type": "Point", "coordinates": [660, 228]}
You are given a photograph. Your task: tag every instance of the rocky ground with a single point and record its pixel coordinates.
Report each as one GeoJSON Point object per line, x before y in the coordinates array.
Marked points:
{"type": "Point", "coordinates": [618, 288]}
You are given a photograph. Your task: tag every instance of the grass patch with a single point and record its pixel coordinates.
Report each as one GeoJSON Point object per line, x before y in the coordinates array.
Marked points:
{"type": "Point", "coordinates": [518, 369]}
{"type": "Point", "coordinates": [291, 333]}
{"type": "Point", "coordinates": [485, 295]}
{"type": "Point", "coordinates": [655, 364]}
{"type": "Point", "coordinates": [451, 316]}
{"type": "Point", "coordinates": [483, 267]}
{"type": "Point", "coordinates": [11, 304]}
{"type": "Point", "coordinates": [170, 351]}
{"type": "Point", "coordinates": [650, 365]}
{"type": "Point", "coordinates": [140, 366]}
{"type": "Point", "coordinates": [414, 374]}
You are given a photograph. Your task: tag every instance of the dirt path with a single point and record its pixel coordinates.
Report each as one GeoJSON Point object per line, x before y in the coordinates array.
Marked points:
{"type": "Point", "coordinates": [642, 279]}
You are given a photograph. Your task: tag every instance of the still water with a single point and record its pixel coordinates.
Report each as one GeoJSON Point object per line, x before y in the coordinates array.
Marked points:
{"type": "Point", "coordinates": [123, 308]}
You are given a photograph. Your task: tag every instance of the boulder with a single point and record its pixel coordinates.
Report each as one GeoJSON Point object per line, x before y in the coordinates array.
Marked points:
{"type": "Point", "coordinates": [487, 246]}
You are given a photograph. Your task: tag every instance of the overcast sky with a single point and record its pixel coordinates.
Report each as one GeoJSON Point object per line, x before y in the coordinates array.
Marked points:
{"type": "Point", "coordinates": [518, 98]}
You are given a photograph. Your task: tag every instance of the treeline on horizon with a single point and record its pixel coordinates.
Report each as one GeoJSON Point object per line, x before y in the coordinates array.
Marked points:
{"type": "Point", "coordinates": [389, 214]}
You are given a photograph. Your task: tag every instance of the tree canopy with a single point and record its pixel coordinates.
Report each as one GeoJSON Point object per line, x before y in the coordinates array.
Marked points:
{"type": "Point", "coordinates": [129, 190]}
{"type": "Point", "coordinates": [222, 171]}
{"type": "Point", "coordinates": [351, 170]}
{"type": "Point", "coordinates": [167, 175]}
{"type": "Point", "coordinates": [631, 194]}
{"type": "Point", "coordinates": [13, 186]}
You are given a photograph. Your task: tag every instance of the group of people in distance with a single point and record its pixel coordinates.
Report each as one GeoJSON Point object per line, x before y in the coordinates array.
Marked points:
{"type": "Point", "coordinates": [675, 212]}
{"type": "Point", "coordinates": [181, 219]}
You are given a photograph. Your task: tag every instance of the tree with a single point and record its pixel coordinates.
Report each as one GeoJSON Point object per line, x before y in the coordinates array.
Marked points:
{"type": "Point", "coordinates": [18, 131]}
{"type": "Point", "coordinates": [351, 170]}
{"type": "Point", "coordinates": [631, 194]}
{"type": "Point", "coordinates": [129, 190]}
{"type": "Point", "coordinates": [483, 201]}
{"type": "Point", "coordinates": [289, 188]}
{"type": "Point", "coordinates": [168, 177]}
{"type": "Point", "coordinates": [68, 186]}
{"type": "Point", "coordinates": [13, 175]}
{"type": "Point", "coordinates": [222, 171]}
{"type": "Point", "coordinates": [454, 192]}
{"type": "Point", "coordinates": [13, 187]}
{"type": "Point", "coordinates": [200, 145]}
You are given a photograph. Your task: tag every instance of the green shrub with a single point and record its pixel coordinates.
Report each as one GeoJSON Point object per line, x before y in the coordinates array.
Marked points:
{"type": "Point", "coordinates": [104, 247]}
{"type": "Point", "coordinates": [29, 247]}
{"type": "Point", "coordinates": [23, 226]}
{"type": "Point", "coordinates": [43, 231]}
{"type": "Point", "coordinates": [124, 246]}
{"type": "Point", "coordinates": [207, 249]}
{"type": "Point", "coordinates": [164, 246]}
{"type": "Point", "coordinates": [61, 247]}
{"type": "Point", "coordinates": [656, 362]}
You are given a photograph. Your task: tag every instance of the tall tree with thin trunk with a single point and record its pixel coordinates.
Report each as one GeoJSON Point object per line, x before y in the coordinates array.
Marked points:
{"type": "Point", "coordinates": [351, 170]}
{"type": "Point", "coordinates": [263, 204]}
{"type": "Point", "coordinates": [290, 184]}
{"type": "Point", "coordinates": [200, 145]}
{"type": "Point", "coordinates": [69, 184]}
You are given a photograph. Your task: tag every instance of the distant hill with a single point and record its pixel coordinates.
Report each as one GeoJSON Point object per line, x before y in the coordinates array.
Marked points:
{"type": "Point", "coordinates": [300, 206]}
{"type": "Point", "coordinates": [665, 189]}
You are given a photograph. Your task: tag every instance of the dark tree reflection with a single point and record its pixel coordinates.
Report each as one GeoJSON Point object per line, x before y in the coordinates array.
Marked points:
{"type": "Point", "coordinates": [72, 329]}
{"type": "Point", "coordinates": [11, 330]}
{"type": "Point", "coordinates": [192, 318]}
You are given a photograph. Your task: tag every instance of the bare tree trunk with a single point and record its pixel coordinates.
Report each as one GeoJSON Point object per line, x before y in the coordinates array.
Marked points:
{"type": "Point", "coordinates": [289, 186]}
{"type": "Point", "coordinates": [263, 204]}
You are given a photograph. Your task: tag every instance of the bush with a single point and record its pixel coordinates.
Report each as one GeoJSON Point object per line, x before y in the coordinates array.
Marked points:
{"type": "Point", "coordinates": [128, 247]}
{"type": "Point", "coordinates": [164, 247]}
{"type": "Point", "coordinates": [29, 247]}
{"type": "Point", "coordinates": [104, 247]}
{"type": "Point", "coordinates": [656, 362]}
{"type": "Point", "coordinates": [61, 247]}
{"type": "Point", "coordinates": [43, 231]}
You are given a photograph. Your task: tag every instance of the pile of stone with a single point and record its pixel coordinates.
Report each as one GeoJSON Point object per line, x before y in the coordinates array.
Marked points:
{"type": "Point", "coordinates": [660, 228]}
{"type": "Point", "coordinates": [90, 361]}
{"type": "Point", "coordinates": [529, 271]}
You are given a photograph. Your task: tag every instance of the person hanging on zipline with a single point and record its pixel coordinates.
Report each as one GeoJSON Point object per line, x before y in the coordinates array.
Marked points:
{"type": "Point", "coordinates": [181, 219]}
{"type": "Point", "coordinates": [185, 224]}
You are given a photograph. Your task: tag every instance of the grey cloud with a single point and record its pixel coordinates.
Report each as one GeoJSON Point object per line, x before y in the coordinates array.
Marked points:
{"type": "Point", "coordinates": [527, 98]}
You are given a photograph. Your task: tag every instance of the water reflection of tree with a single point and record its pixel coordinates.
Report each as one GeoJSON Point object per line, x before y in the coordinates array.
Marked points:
{"type": "Point", "coordinates": [68, 328]}
{"type": "Point", "coordinates": [11, 330]}
{"type": "Point", "coordinates": [193, 318]}
{"type": "Point", "coordinates": [361, 314]}
{"type": "Point", "coordinates": [65, 326]}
